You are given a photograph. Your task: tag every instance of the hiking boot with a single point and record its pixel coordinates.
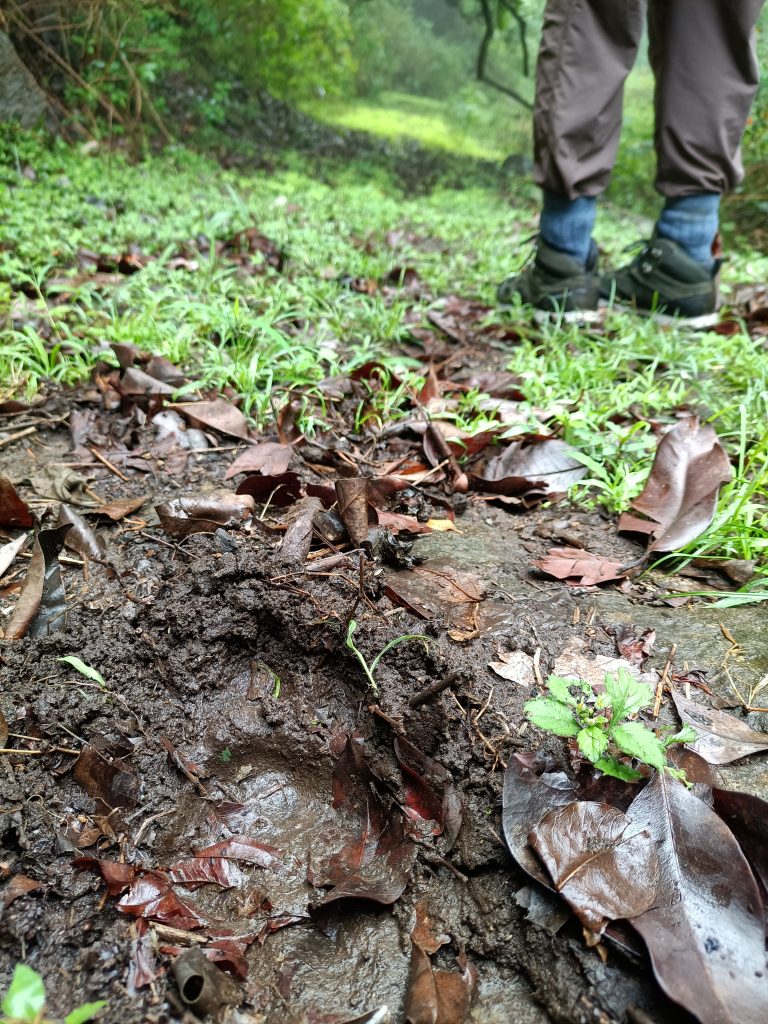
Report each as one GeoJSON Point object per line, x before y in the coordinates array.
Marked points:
{"type": "Point", "coordinates": [663, 278]}
{"type": "Point", "coordinates": [554, 281]}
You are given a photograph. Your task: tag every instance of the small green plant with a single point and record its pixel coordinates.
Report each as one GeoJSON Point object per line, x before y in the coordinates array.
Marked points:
{"type": "Point", "coordinates": [370, 669]}
{"type": "Point", "coordinates": [83, 669]}
{"type": "Point", "coordinates": [604, 724]}
{"type": "Point", "coordinates": [24, 1002]}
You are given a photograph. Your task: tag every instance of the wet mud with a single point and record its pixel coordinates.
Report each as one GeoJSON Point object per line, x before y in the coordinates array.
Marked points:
{"type": "Point", "coordinates": [228, 693]}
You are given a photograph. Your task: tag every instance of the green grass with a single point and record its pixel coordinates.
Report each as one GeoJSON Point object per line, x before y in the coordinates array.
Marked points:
{"type": "Point", "coordinates": [266, 335]}
{"type": "Point", "coordinates": [479, 124]}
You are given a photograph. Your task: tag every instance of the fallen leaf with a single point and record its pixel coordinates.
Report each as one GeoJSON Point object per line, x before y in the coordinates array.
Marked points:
{"type": "Point", "coordinates": [136, 382]}
{"type": "Point", "coordinates": [705, 932]}
{"type": "Point", "coordinates": [268, 458]}
{"type": "Point", "coordinates": [218, 415]}
{"type": "Point", "coordinates": [516, 666]}
{"type": "Point", "coordinates": [635, 647]}
{"type": "Point", "coordinates": [81, 538]}
{"type": "Point", "coordinates": [117, 875]}
{"type": "Point", "coordinates": [398, 523]}
{"type": "Point", "coordinates": [241, 848]}
{"type": "Point", "coordinates": [600, 861]}
{"type": "Point", "coordinates": [546, 910]}
{"type": "Point", "coordinates": [438, 997]}
{"type": "Point", "coordinates": [41, 606]}
{"type": "Point", "coordinates": [579, 568]}
{"type": "Point", "coordinates": [352, 493]}
{"type": "Point", "coordinates": [722, 737]}
{"type": "Point", "coordinates": [13, 511]}
{"type": "Point", "coordinates": [527, 798]}
{"type": "Point", "coordinates": [531, 470]}
{"type": "Point", "coordinates": [202, 870]}
{"type": "Point", "coordinates": [181, 517]}
{"type": "Point", "coordinates": [9, 551]}
{"type": "Point", "coordinates": [61, 484]}
{"type": "Point", "coordinates": [575, 662]}
{"type": "Point", "coordinates": [377, 862]}
{"type": "Point", "coordinates": [680, 495]}
{"type": "Point", "coordinates": [747, 817]}
{"type": "Point", "coordinates": [141, 966]}
{"type": "Point", "coordinates": [280, 491]}
{"type": "Point", "coordinates": [434, 589]}
{"type": "Point", "coordinates": [429, 792]}
{"type": "Point", "coordinates": [106, 778]}
{"type": "Point", "coordinates": [151, 896]}
{"type": "Point", "coordinates": [297, 539]}
{"type": "Point", "coordinates": [119, 508]}
{"type": "Point", "coordinates": [19, 885]}
{"type": "Point", "coordinates": [427, 933]}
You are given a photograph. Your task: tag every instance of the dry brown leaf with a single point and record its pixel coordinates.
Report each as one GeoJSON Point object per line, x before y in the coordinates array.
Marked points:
{"type": "Point", "coordinates": [680, 495]}
{"type": "Point", "coordinates": [579, 568]}
{"type": "Point", "coordinates": [268, 458]}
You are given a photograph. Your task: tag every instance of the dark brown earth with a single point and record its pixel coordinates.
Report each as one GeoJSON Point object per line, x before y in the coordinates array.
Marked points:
{"type": "Point", "coordinates": [189, 636]}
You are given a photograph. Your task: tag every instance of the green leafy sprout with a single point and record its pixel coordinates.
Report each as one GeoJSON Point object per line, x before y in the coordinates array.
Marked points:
{"type": "Point", "coordinates": [370, 668]}
{"type": "Point", "coordinates": [605, 724]}
{"type": "Point", "coordinates": [24, 1002]}
{"type": "Point", "coordinates": [84, 670]}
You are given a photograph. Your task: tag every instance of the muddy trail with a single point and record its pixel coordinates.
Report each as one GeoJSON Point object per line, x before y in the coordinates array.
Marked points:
{"type": "Point", "coordinates": [204, 756]}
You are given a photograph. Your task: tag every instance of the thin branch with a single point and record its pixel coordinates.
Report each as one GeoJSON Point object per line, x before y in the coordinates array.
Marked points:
{"type": "Point", "coordinates": [522, 28]}
{"type": "Point", "coordinates": [482, 58]}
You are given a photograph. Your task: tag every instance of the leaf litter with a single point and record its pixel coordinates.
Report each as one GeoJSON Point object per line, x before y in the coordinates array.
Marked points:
{"type": "Point", "coordinates": [376, 859]}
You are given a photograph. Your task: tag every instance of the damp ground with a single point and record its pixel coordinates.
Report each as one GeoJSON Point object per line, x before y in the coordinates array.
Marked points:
{"type": "Point", "coordinates": [228, 692]}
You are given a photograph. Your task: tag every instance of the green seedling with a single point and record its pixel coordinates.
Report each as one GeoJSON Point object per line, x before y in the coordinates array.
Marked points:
{"type": "Point", "coordinates": [605, 724]}
{"type": "Point", "coordinates": [83, 669]}
{"type": "Point", "coordinates": [24, 1002]}
{"type": "Point", "coordinates": [370, 668]}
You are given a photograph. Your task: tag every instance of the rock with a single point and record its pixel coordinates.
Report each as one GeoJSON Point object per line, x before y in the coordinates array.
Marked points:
{"type": "Point", "coordinates": [21, 98]}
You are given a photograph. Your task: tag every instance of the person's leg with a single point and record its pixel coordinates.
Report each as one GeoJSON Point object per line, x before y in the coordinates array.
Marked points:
{"type": "Point", "coordinates": [587, 49]}
{"type": "Point", "coordinates": [703, 58]}
{"type": "Point", "coordinates": [703, 55]}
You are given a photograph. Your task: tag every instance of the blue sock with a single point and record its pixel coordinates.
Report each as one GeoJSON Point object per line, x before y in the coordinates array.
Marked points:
{"type": "Point", "coordinates": [566, 224]}
{"type": "Point", "coordinates": [692, 222]}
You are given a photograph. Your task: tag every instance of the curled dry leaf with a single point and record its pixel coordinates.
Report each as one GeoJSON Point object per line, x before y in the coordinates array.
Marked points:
{"type": "Point", "coordinates": [218, 415]}
{"type": "Point", "coordinates": [81, 537]}
{"type": "Point", "coordinates": [137, 382]}
{"type": "Point", "coordinates": [600, 861]}
{"type": "Point", "coordinates": [13, 511]}
{"type": "Point", "coordinates": [181, 517]}
{"type": "Point", "coordinates": [579, 568]}
{"type": "Point", "coordinates": [298, 535]}
{"type": "Point", "coordinates": [352, 493]}
{"type": "Point", "coordinates": [268, 458]}
{"type": "Point", "coordinates": [722, 737]}
{"type": "Point", "coordinates": [706, 931]}
{"type": "Point", "coordinates": [41, 606]}
{"type": "Point", "coordinates": [680, 495]}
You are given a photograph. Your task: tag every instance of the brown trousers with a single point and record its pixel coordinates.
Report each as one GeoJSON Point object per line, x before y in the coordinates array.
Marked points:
{"type": "Point", "coordinates": [703, 57]}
